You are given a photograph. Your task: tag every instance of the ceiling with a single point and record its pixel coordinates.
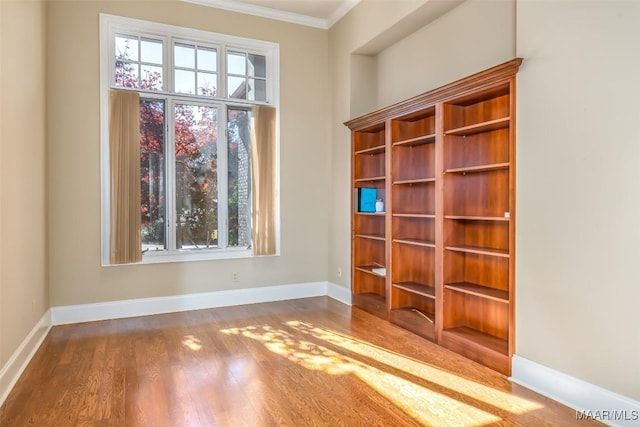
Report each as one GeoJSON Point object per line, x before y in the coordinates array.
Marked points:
{"type": "Point", "coordinates": [314, 13]}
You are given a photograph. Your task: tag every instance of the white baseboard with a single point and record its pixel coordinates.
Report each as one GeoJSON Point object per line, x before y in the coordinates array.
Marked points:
{"type": "Point", "coordinates": [339, 293]}
{"type": "Point", "coordinates": [587, 399]}
{"type": "Point", "coordinates": [147, 306]}
{"type": "Point", "coordinates": [19, 360]}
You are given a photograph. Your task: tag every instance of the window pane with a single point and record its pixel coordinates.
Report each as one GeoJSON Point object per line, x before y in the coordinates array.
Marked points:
{"type": "Point", "coordinates": [152, 174]}
{"type": "Point", "coordinates": [151, 77]}
{"type": "Point", "coordinates": [261, 90]}
{"type": "Point", "coordinates": [237, 88]}
{"type": "Point", "coordinates": [257, 90]}
{"type": "Point", "coordinates": [196, 137]}
{"type": "Point", "coordinates": [126, 74]}
{"type": "Point", "coordinates": [126, 48]}
{"type": "Point", "coordinates": [257, 66]}
{"type": "Point", "coordinates": [185, 56]}
{"type": "Point", "coordinates": [185, 81]}
{"type": "Point", "coordinates": [151, 51]}
{"type": "Point", "coordinates": [207, 59]}
{"type": "Point", "coordinates": [207, 84]}
{"type": "Point", "coordinates": [239, 180]}
{"type": "Point", "coordinates": [236, 63]}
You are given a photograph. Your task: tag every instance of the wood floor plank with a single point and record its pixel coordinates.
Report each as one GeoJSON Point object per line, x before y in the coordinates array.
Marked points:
{"type": "Point", "coordinates": [306, 362]}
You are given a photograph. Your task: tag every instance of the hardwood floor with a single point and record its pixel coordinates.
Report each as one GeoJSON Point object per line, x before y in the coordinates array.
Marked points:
{"type": "Point", "coordinates": [307, 362]}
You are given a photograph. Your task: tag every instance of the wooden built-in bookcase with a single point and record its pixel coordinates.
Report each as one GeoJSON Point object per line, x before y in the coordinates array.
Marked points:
{"type": "Point", "coordinates": [444, 165]}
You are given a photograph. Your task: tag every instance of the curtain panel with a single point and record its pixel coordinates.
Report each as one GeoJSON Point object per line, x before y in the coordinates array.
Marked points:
{"type": "Point", "coordinates": [263, 181]}
{"type": "Point", "coordinates": [124, 158]}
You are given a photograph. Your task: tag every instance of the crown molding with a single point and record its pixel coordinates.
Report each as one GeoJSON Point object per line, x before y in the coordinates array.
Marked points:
{"type": "Point", "coordinates": [344, 8]}
{"type": "Point", "coordinates": [279, 15]}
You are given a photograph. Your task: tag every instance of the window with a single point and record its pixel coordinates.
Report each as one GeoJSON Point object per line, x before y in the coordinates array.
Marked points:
{"type": "Point", "coordinates": [196, 90]}
{"type": "Point", "coordinates": [195, 69]}
{"type": "Point", "coordinates": [246, 76]}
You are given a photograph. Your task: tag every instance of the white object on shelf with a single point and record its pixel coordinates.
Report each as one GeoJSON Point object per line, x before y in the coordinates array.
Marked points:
{"type": "Point", "coordinates": [382, 271]}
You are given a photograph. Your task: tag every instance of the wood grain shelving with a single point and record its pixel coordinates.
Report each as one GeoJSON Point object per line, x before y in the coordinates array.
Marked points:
{"type": "Point", "coordinates": [416, 242]}
{"type": "Point", "coordinates": [370, 179]}
{"type": "Point", "coordinates": [371, 236]}
{"type": "Point", "coordinates": [369, 269]}
{"type": "Point", "coordinates": [418, 140]}
{"type": "Point", "coordinates": [444, 164]}
{"type": "Point", "coordinates": [372, 150]}
{"type": "Point", "coordinates": [478, 168]}
{"type": "Point", "coordinates": [417, 288]}
{"type": "Point", "coordinates": [478, 218]}
{"type": "Point", "coordinates": [487, 126]}
{"type": "Point", "coordinates": [480, 291]}
{"type": "Point", "coordinates": [479, 339]}
{"type": "Point", "coordinates": [478, 250]}
{"type": "Point", "coordinates": [414, 181]}
{"type": "Point", "coordinates": [413, 215]}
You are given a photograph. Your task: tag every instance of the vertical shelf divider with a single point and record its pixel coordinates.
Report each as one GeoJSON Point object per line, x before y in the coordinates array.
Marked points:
{"type": "Point", "coordinates": [439, 223]}
{"type": "Point", "coordinates": [388, 206]}
{"type": "Point", "coordinates": [512, 217]}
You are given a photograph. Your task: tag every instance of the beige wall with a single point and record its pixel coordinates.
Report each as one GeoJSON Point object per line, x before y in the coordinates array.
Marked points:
{"type": "Point", "coordinates": [474, 36]}
{"type": "Point", "coordinates": [24, 296]}
{"type": "Point", "coordinates": [578, 190]}
{"type": "Point", "coordinates": [74, 182]}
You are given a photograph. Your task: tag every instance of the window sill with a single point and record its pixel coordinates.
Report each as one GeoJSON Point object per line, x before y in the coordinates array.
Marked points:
{"type": "Point", "coordinates": [188, 256]}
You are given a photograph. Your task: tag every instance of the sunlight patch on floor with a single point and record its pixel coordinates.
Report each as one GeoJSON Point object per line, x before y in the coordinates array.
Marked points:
{"type": "Point", "coordinates": [421, 403]}
{"type": "Point", "coordinates": [191, 342]}
{"type": "Point", "coordinates": [489, 395]}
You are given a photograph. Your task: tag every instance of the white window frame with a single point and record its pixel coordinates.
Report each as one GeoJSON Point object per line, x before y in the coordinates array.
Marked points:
{"type": "Point", "coordinates": [111, 25]}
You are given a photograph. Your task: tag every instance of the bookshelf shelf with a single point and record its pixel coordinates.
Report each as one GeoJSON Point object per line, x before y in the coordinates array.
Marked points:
{"type": "Point", "coordinates": [478, 250]}
{"type": "Point", "coordinates": [417, 288]}
{"type": "Point", "coordinates": [480, 291]}
{"type": "Point", "coordinates": [418, 140]}
{"type": "Point", "coordinates": [487, 126]}
{"type": "Point", "coordinates": [370, 179]}
{"type": "Point", "coordinates": [478, 218]}
{"type": "Point", "coordinates": [372, 150]}
{"type": "Point", "coordinates": [416, 242]}
{"type": "Point", "coordinates": [414, 181]}
{"type": "Point", "coordinates": [478, 168]}
{"type": "Point", "coordinates": [371, 236]}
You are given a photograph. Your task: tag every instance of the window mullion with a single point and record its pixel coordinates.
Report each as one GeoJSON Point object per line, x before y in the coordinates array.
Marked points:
{"type": "Point", "coordinates": [170, 199]}
{"type": "Point", "coordinates": [222, 67]}
{"type": "Point", "coordinates": [168, 65]}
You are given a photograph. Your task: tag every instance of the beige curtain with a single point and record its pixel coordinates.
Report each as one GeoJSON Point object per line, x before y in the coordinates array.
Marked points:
{"type": "Point", "coordinates": [263, 180]}
{"type": "Point", "coordinates": [124, 156]}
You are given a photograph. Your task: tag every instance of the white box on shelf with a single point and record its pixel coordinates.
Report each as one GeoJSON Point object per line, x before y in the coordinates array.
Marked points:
{"type": "Point", "coordinates": [382, 271]}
